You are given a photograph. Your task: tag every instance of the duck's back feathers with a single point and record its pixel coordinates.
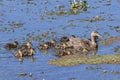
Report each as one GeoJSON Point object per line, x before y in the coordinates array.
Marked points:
{"type": "Point", "coordinates": [79, 43]}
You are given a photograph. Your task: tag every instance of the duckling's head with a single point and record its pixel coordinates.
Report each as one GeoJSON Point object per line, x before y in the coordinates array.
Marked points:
{"type": "Point", "coordinates": [32, 50]}
{"type": "Point", "coordinates": [68, 52]}
{"type": "Point", "coordinates": [53, 41]}
{"type": "Point", "coordinates": [57, 47]}
{"type": "Point", "coordinates": [46, 45]}
{"type": "Point", "coordinates": [29, 44]}
{"type": "Point", "coordinates": [63, 45]}
{"type": "Point", "coordinates": [15, 43]}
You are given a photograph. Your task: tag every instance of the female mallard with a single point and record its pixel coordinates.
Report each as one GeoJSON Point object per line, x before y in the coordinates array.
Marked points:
{"type": "Point", "coordinates": [11, 45]}
{"type": "Point", "coordinates": [85, 44]}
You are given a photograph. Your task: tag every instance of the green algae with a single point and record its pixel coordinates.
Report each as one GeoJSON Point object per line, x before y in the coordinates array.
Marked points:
{"type": "Point", "coordinates": [77, 59]}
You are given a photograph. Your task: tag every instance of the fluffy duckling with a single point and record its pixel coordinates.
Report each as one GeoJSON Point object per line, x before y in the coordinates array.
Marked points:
{"type": "Point", "coordinates": [64, 39]}
{"type": "Point", "coordinates": [11, 45]}
{"type": "Point", "coordinates": [44, 46]}
{"type": "Point", "coordinates": [18, 53]}
{"type": "Point", "coordinates": [61, 46]}
{"type": "Point", "coordinates": [52, 43]}
{"type": "Point", "coordinates": [28, 52]}
{"type": "Point", "coordinates": [63, 53]}
{"type": "Point", "coordinates": [24, 46]}
{"type": "Point", "coordinates": [59, 53]}
{"type": "Point", "coordinates": [64, 46]}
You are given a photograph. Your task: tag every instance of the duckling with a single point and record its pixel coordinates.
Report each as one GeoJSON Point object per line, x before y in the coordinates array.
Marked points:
{"type": "Point", "coordinates": [59, 53]}
{"type": "Point", "coordinates": [57, 47]}
{"type": "Point", "coordinates": [44, 46]}
{"type": "Point", "coordinates": [61, 46]}
{"type": "Point", "coordinates": [52, 43]}
{"type": "Point", "coordinates": [28, 52]}
{"type": "Point", "coordinates": [64, 39]}
{"type": "Point", "coordinates": [24, 46]}
{"type": "Point", "coordinates": [18, 53]}
{"type": "Point", "coordinates": [67, 52]}
{"type": "Point", "coordinates": [85, 44]}
{"type": "Point", "coordinates": [63, 53]}
{"type": "Point", "coordinates": [11, 45]}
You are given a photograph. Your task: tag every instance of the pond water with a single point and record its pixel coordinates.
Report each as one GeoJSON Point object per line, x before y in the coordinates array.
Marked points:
{"type": "Point", "coordinates": [29, 19]}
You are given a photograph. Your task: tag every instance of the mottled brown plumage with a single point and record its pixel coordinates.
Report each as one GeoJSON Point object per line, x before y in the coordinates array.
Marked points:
{"type": "Point", "coordinates": [28, 52]}
{"type": "Point", "coordinates": [24, 46]}
{"type": "Point", "coordinates": [47, 45]}
{"type": "Point", "coordinates": [11, 45]}
{"type": "Point", "coordinates": [18, 53]}
{"type": "Point", "coordinates": [85, 44]}
{"type": "Point", "coordinates": [64, 39]}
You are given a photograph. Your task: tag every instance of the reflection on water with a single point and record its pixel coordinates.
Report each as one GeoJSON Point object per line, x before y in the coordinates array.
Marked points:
{"type": "Point", "coordinates": [40, 21]}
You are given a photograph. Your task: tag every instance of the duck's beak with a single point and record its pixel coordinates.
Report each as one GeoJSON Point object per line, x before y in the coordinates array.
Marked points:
{"type": "Point", "coordinates": [34, 51]}
{"type": "Point", "coordinates": [100, 35]}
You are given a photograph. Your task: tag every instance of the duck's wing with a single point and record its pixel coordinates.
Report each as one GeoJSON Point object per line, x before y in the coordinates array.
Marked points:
{"type": "Point", "coordinates": [79, 43]}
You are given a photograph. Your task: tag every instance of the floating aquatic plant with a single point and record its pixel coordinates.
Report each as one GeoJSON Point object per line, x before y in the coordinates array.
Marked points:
{"type": "Point", "coordinates": [16, 24]}
{"type": "Point", "coordinates": [79, 4]}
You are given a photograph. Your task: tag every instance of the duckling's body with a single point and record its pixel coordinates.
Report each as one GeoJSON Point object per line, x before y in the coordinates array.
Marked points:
{"type": "Point", "coordinates": [52, 43]}
{"type": "Point", "coordinates": [28, 52]}
{"type": "Point", "coordinates": [11, 45]}
{"type": "Point", "coordinates": [24, 46]}
{"type": "Point", "coordinates": [47, 45]}
{"type": "Point", "coordinates": [64, 39]}
{"type": "Point", "coordinates": [18, 53]}
{"type": "Point", "coordinates": [85, 44]}
{"type": "Point", "coordinates": [63, 53]}
{"type": "Point", "coordinates": [44, 46]}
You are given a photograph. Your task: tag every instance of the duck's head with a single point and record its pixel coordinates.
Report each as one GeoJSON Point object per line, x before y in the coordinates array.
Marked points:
{"type": "Point", "coordinates": [95, 34]}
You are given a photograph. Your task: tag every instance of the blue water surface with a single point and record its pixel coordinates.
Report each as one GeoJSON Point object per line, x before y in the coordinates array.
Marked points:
{"type": "Point", "coordinates": [33, 15]}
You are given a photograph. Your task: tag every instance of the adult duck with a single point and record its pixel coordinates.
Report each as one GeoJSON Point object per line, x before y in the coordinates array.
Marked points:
{"type": "Point", "coordinates": [85, 45]}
